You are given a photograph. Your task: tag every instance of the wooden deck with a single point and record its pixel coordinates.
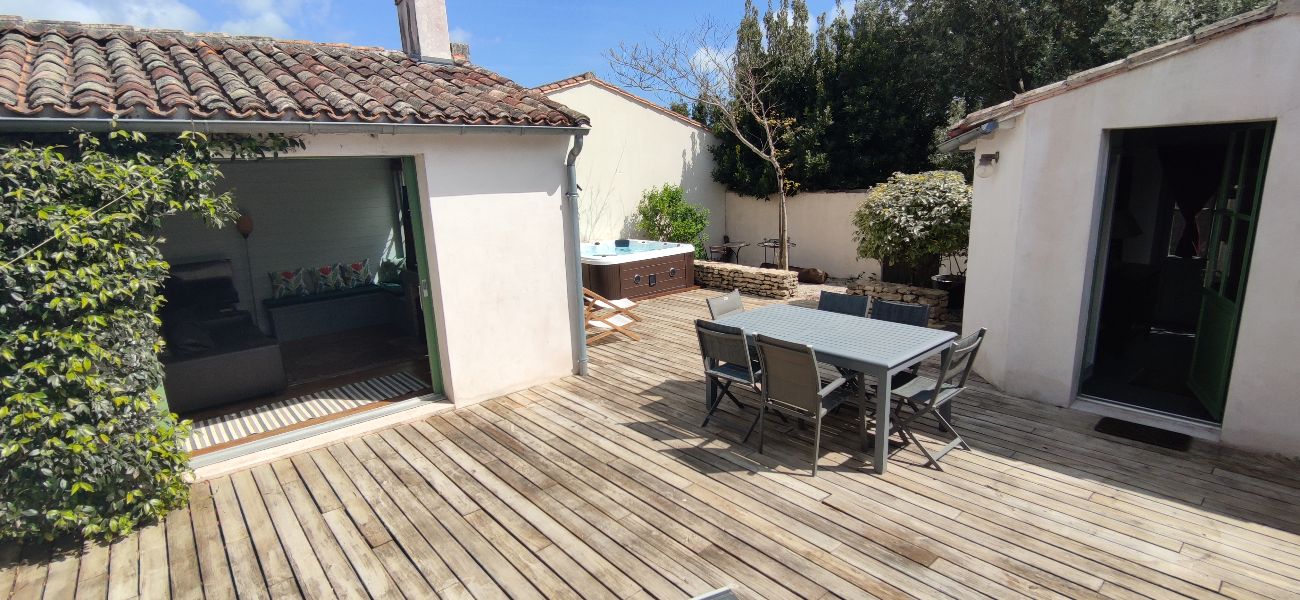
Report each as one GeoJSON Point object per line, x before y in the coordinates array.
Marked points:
{"type": "Point", "coordinates": [606, 487]}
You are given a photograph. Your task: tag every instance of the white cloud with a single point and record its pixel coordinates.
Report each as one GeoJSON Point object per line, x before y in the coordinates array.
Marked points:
{"type": "Point", "coordinates": [460, 35]}
{"type": "Point", "coordinates": [172, 14]}
{"type": "Point", "coordinates": [712, 59]}
{"type": "Point", "coordinates": [268, 23]}
{"type": "Point", "coordinates": [276, 18]}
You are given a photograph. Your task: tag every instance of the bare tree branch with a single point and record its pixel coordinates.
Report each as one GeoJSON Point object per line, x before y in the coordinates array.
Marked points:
{"type": "Point", "coordinates": [697, 67]}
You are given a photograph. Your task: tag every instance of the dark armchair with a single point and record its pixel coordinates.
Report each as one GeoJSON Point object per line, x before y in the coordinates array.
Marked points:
{"type": "Point", "coordinates": [216, 354]}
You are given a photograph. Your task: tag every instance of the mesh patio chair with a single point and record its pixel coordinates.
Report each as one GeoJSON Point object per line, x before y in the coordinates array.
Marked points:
{"type": "Point", "coordinates": [721, 306]}
{"type": "Point", "coordinates": [907, 314]}
{"type": "Point", "coordinates": [727, 361]}
{"type": "Point", "coordinates": [925, 396]}
{"type": "Point", "coordinates": [845, 304]}
{"type": "Point", "coordinates": [792, 385]}
{"type": "Point", "coordinates": [901, 312]}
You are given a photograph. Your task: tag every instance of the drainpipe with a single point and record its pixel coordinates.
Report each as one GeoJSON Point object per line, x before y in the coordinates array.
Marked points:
{"type": "Point", "coordinates": [571, 196]}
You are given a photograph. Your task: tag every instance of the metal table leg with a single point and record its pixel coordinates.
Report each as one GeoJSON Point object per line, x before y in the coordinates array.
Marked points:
{"type": "Point", "coordinates": [883, 392]}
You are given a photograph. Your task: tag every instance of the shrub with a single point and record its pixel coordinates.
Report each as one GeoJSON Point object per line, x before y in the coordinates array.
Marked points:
{"type": "Point", "coordinates": [665, 215]}
{"type": "Point", "coordinates": [85, 444]}
{"type": "Point", "coordinates": [910, 219]}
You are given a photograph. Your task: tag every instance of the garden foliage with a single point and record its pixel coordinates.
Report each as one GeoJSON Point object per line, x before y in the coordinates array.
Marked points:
{"type": "Point", "coordinates": [866, 86]}
{"type": "Point", "coordinates": [86, 446]}
{"type": "Point", "coordinates": [912, 218]}
{"type": "Point", "coordinates": [665, 215]}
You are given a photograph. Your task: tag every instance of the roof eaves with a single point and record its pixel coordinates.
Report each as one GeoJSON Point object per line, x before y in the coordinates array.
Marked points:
{"type": "Point", "coordinates": [591, 78]}
{"type": "Point", "coordinates": [1137, 59]}
{"type": "Point", "coordinates": [230, 79]}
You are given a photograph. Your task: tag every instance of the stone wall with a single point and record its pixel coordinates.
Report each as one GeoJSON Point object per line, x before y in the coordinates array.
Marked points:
{"type": "Point", "coordinates": [937, 300]}
{"type": "Point", "coordinates": [772, 283]}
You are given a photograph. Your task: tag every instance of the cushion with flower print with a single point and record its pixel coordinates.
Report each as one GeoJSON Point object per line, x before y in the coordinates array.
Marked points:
{"type": "Point", "coordinates": [289, 283]}
{"type": "Point", "coordinates": [329, 278]}
{"type": "Point", "coordinates": [358, 274]}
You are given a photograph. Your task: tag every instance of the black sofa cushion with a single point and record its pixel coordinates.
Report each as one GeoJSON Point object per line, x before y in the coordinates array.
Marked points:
{"type": "Point", "coordinates": [188, 337]}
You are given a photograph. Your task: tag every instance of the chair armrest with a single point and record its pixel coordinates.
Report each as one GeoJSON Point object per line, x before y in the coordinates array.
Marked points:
{"type": "Point", "coordinates": [830, 388]}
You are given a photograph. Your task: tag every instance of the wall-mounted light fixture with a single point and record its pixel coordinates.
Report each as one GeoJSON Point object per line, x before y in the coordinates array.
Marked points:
{"type": "Point", "coordinates": [984, 167]}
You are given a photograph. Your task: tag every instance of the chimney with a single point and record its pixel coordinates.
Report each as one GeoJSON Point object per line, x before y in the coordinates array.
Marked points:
{"type": "Point", "coordinates": [423, 26]}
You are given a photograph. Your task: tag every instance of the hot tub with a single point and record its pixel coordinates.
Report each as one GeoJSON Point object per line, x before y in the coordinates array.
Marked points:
{"type": "Point", "coordinates": [637, 268]}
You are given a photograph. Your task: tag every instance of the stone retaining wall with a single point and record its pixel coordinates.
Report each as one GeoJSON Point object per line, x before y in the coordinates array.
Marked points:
{"type": "Point", "coordinates": [937, 300]}
{"type": "Point", "coordinates": [771, 283]}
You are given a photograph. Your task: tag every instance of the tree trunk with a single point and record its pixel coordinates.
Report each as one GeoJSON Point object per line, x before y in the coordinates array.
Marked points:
{"type": "Point", "coordinates": [783, 249]}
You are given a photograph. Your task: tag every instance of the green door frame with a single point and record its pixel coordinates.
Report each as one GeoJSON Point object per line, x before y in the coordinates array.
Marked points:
{"type": "Point", "coordinates": [1232, 240]}
{"type": "Point", "coordinates": [415, 204]}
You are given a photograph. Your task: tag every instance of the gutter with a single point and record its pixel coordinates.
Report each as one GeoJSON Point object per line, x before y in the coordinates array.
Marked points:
{"type": "Point", "coordinates": [575, 237]}
{"type": "Point", "coordinates": [970, 135]}
{"type": "Point", "coordinates": [290, 127]}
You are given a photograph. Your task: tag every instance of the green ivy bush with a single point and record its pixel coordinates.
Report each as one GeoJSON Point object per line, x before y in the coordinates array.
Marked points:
{"type": "Point", "coordinates": [86, 446]}
{"type": "Point", "coordinates": [665, 215]}
{"type": "Point", "coordinates": [910, 219]}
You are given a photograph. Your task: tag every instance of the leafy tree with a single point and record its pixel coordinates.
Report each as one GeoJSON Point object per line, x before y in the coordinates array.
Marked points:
{"type": "Point", "coordinates": [884, 92]}
{"type": "Point", "coordinates": [994, 49]}
{"type": "Point", "coordinates": [1136, 24]}
{"type": "Point", "coordinates": [665, 215]}
{"type": "Point", "coordinates": [737, 88]}
{"type": "Point", "coordinates": [911, 219]}
{"type": "Point", "coordinates": [85, 445]}
{"type": "Point", "coordinates": [956, 160]}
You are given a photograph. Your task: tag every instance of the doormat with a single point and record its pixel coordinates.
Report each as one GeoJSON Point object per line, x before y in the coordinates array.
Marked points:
{"type": "Point", "coordinates": [287, 413]}
{"type": "Point", "coordinates": [1143, 433]}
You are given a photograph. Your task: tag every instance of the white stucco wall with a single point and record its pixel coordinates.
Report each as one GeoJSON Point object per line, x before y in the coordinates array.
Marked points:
{"type": "Point", "coordinates": [820, 224]}
{"type": "Point", "coordinates": [501, 269]}
{"type": "Point", "coordinates": [1033, 235]}
{"type": "Point", "coordinates": [632, 148]}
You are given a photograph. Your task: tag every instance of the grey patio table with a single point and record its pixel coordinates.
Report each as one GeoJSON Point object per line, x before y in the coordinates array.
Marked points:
{"type": "Point", "coordinates": [868, 346]}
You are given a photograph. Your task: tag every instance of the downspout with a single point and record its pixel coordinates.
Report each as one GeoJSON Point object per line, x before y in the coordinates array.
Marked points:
{"type": "Point", "coordinates": [575, 237]}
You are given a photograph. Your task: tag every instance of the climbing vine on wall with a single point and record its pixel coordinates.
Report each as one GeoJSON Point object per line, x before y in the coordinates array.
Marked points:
{"type": "Point", "coordinates": [86, 446]}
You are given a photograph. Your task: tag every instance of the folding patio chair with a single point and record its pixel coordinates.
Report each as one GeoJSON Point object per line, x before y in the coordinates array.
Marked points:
{"type": "Point", "coordinates": [901, 312]}
{"type": "Point", "coordinates": [721, 306]}
{"type": "Point", "coordinates": [925, 396]}
{"type": "Point", "coordinates": [907, 314]}
{"type": "Point", "coordinates": [727, 361]}
{"type": "Point", "coordinates": [608, 317]}
{"type": "Point", "coordinates": [845, 304]}
{"type": "Point", "coordinates": [621, 306]}
{"type": "Point", "coordinates": [792, 385]}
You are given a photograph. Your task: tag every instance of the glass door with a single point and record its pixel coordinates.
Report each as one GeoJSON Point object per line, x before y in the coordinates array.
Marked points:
{"type": "Point", "coordinates": [1232, 237]}
{"type": "Point", "coordinates": [414, 200]}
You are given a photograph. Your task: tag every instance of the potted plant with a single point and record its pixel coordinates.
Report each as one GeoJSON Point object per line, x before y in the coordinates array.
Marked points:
{"type": "Point", "coordinates": [912, 221]}
{"type": "Point", "coordinates": [954, 281]}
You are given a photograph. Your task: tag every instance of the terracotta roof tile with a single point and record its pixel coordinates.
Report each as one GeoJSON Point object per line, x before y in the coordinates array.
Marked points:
{"type": "Point", "coordinates": [63, 69]}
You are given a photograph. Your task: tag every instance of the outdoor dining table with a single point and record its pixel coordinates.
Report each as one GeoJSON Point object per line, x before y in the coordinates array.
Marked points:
{"type": "Point", "coordinates": [871, 347]}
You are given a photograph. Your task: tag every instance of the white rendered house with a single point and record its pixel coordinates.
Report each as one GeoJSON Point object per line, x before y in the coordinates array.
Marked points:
{"type": "Point", "coordinates": [1135, 233]}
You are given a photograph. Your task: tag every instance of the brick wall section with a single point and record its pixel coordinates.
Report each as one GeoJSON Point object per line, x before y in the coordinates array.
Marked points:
{"type": "Point", "coordinates": [937, 300]}
{"type": "Point", "coordinates": [771, 283]}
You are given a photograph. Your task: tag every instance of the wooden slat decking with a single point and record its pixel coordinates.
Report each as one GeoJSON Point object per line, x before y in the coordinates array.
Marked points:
{"type": "Point", "coordinates": [605, 487]}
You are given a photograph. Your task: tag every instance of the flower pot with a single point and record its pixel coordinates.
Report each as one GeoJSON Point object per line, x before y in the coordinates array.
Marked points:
{"type": "Point", "coordinates": [955, 285]}
{"type": "Point", "coordinates": [909, 274]}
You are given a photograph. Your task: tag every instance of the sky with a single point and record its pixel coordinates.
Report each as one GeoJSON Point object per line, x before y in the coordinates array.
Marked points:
{"type": "Point", "coordinates": [530, 41]}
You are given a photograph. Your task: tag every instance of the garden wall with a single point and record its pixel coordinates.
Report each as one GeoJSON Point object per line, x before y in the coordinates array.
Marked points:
{"type": "Point", "coordinates": [647, 148]}
{"type": "Point", "coordinates": [820, 224]}
{"type": "Point", "coordinates": [771, 283]}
